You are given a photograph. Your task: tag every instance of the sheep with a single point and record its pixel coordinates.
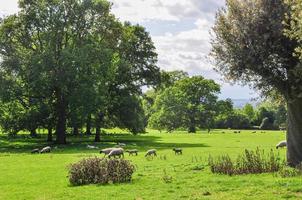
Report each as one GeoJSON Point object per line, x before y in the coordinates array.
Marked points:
{"type": "Point", "coordinates": [91, 147]}
{"type": "Point", "coordinates": [254, 132]}
{"type": "Point", "coordinates": [132, 152]}
{"type": "Point", "coordinates": [177, 151]}
{"type": "Point", "coordinates": [281, 144]}
{"type": "Point", "coordinates": [116, 152]}
{"type": "Point", "coordinates": [35, 151]}
{"type": "Point", "coordinates": [106, 151]}
{"type": "Point", "coordinates": [121, 144]}
{"type": "Point", "coordinates": [46, 149]}
{"type": "Point", "coordinates": [151, 152]}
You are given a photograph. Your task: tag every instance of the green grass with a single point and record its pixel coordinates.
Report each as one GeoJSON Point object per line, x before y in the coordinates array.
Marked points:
{"type": "Point", "coordinates": [43, 176]}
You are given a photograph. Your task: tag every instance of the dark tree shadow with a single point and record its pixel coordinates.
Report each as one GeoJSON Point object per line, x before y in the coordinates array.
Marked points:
{"type": "Point", "coordinates": [78, 144]}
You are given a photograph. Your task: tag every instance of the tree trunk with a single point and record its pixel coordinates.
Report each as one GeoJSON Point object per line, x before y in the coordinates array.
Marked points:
{"type": "Point", "coordinates": [294, 132]}
{"type": "Point", "coordinates": [192, 129]}
{"type": "Point", "coordinates": [99, 121]}
{"type": "Point", "coordinates": [49, 135]}
{"type": "Point", "coordinates": [88, 125]}
{"type": "Point", "coordinates": [61, 118]}
{"type": "Point", "coordinates": [75, 130]}
{"type": "Point", "coordinates": [33, 133]}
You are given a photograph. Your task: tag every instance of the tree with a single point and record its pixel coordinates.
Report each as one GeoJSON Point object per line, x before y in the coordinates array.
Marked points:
{"type": "Point", "coordinates": [77, 53]}
{"type": "Point", "coordinates": [189, 103]}
{"type": "Point", "coordinates": [250, 46]}
{"type": "Point", "coordinates": [248, 110]}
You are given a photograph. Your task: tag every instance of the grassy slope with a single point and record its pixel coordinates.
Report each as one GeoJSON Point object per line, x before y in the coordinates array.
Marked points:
{"type": "Point", "coordinates": [26, 176]}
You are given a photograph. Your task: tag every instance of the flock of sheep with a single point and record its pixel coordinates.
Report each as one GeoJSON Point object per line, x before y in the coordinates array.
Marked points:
{"type": "Point", "coordinates": [118, 150]}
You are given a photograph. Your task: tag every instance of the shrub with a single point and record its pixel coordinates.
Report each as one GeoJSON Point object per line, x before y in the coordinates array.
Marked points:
{"type": "Point", "coordinates": [100, 171]}
{"type": "Point", "coordinates": [250, 162]}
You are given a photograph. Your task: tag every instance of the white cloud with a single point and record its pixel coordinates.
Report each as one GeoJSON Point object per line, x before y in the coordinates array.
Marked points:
{"type": "Point", "coordinates": [8, 7]}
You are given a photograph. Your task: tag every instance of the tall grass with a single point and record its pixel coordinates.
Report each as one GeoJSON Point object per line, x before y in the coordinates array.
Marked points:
{"type": "Point", "coordinates": [250, 162]}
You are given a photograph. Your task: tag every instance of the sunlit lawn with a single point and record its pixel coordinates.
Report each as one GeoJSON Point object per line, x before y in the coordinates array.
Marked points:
{"type": "Point", "coordinates": [44, 176]}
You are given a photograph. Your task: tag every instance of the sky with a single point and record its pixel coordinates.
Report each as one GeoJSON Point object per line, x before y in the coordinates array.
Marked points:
{"type": "Point", "coordinates": [180, 30]}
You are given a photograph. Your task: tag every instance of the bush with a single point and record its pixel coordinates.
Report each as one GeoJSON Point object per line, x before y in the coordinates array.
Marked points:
{"type": "Point", "coordinates": [251, 162]}
{"type": "Point", "coordinates": [100, 171]}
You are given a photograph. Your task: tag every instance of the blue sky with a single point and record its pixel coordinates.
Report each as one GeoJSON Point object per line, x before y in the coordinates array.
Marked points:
{"type": "Point", "coordinates": [180, 30]}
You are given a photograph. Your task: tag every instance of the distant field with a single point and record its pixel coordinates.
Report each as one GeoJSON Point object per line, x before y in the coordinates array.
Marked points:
{"type": "Point", "coordinates": [39, 177]}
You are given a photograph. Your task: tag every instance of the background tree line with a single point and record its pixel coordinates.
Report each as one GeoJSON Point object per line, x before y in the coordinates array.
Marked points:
{"type": "Point", "coordinates": [188, 103]}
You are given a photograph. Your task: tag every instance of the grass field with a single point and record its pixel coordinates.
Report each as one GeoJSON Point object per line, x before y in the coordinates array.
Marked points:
{"type": "Point", "coordinates": [44, 176]}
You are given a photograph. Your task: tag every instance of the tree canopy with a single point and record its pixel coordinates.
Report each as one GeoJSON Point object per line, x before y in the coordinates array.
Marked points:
{"type": "Point", "coordinates": [73, 58]}
{"type": "Point", "coordinates": [189, 103]}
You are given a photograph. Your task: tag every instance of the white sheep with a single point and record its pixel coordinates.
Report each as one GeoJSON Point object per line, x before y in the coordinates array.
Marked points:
{"type": "Point", "coordinates": [116, 152]}
{"type": "Point", "coordinates": [91, 147]}
{"type": "Point", "coordinates": [281, 144]}
{"type": "Point", "coordinates": [132, 152]}
{"type": "Point", "coordinates": [106, 151]}
{"type": "Point", "coordinates": [46, 149]}
{"type": "Point", "coordinates": [151, 152]}
{"type": "Point", "coordinates": [35, 151]}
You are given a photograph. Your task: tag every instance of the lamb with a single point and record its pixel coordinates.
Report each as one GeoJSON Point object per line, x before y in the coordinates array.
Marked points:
{"type": "Point", "coordinates": [177, 151]}
{"type": "Point", "coordinates": [116, 152]}
{"type": "Point", "coordinates": [151, 152]}
{"type": "Point", "coordinates": [106, 151]}
{"type": "Point", "coordinates": [46, 149]}
{"type": "Point", "coordinates": [91, 147]}
{"type": "Point", "coordinates": [35, 151]}
{"type": "Point", "coordinates": [132, 152]}
{"type": "Point", "coordinates": [281, 144]}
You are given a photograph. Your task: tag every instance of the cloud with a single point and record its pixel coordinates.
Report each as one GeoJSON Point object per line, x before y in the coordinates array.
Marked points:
{"type": "Point", "coordinates": [8, 7]}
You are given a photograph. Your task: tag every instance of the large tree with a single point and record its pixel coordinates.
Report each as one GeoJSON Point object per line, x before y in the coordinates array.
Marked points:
{"type": "Point", "coordinates": [189, 103]}
{"type": "Point", "coordinates": [250, 46]}
{"type": "Point", "coordinates": [72, 54]}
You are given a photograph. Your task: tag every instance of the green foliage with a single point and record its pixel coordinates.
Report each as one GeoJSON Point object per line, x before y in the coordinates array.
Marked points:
{"type": "Point", "coordinates": [251, 162]}
{"type": "Point", "coordinates": [234, 120]}
{"type": "Point", "coordinates": [100, 171]}
{"type": "Point", "coordinates": [189, 103]}
{"type": "Point", "coordinates": [80, 56]}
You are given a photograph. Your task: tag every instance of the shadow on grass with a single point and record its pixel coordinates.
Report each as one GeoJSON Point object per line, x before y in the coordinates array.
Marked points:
{"type": "Point", "coordinates": [78, 144]}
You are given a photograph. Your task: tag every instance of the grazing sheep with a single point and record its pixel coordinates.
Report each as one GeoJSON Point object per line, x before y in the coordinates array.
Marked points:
{"type": "Point", "coordinates": [91, 147]}
{"type": "Point", "coordinates": [151, 152]}
{"type": "Point", "coordinates": [281, 144]}
{"type": "Point", "coordinates": [35, 151]}
{"type": "Point", "coordinates": [106, 151]}
{"type": "Point", "coordinates": [177, 151]}
{"type": "Point", "coordinates": [121, 144]}
{"type": "Point", "coordinates": [254, 132]}
{"type": "Point", "coordinates": [132, 152]}
{"type": "Point", "coordinates": [116, 152]}
{"type": "Point", "coordinates": [46, 149]}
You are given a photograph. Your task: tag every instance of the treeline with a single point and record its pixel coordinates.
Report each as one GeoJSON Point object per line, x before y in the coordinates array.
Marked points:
{"type": "Point", "coordinates": [183, 102]}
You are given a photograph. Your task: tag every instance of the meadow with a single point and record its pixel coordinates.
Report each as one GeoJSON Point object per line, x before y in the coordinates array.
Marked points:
{"type": "Point", "coordinates": [167, 176]}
